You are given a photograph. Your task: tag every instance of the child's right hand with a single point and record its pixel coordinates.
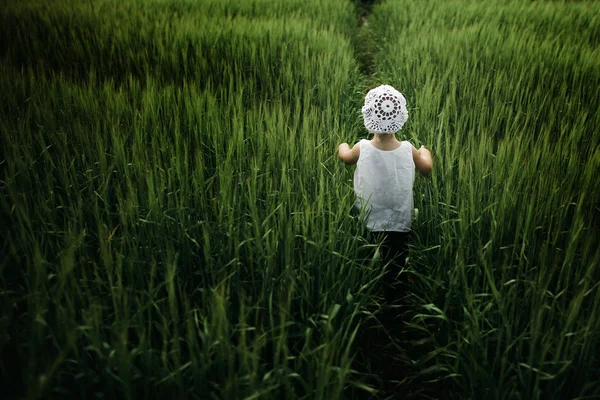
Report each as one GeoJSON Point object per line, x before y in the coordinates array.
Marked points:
{"type": "Point", "coordinates": [348, 155]}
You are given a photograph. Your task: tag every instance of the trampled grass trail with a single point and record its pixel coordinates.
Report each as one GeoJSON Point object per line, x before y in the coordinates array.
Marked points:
{"type": "Point", "coordinates": [383, 346]}
{"type": "Point", "coordinates": [175, 223]}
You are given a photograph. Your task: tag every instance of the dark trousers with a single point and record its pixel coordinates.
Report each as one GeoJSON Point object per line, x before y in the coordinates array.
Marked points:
{"type": "Point", "coordinates": [394, 249]}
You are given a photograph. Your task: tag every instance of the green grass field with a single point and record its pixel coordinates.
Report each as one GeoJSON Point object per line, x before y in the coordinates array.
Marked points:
{"type": "Point", "coordinates": [175, 222]}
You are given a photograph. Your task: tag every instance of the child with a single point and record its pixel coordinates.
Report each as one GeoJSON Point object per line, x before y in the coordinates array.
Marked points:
{"type": "Point", "coordinates": [385, 171]}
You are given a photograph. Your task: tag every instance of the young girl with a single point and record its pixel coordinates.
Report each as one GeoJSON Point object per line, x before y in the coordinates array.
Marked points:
{"type": "Point", "coordinates": [385, 172]}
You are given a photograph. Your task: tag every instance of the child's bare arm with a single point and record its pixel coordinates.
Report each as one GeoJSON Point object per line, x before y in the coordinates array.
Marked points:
{"type": "Point", "coordinates": [422, 159]}
{"type": "Point", "coordinates": [347, 154]}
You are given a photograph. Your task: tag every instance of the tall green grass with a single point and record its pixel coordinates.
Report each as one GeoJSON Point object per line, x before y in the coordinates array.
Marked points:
{"type": "Point", "coordinates": [174, 222]}
{"type": "Point", "coordinates": [506, 95]}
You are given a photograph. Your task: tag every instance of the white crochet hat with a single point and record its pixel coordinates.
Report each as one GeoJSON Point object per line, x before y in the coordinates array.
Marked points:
{"type": "Point", "coordinates": [384, 110]}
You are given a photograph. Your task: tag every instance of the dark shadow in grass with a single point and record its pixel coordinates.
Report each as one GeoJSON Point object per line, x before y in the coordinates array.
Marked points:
{"type": "Point", "coordinates": [382, 353]}
{"type": "Point", "coordinates": [390, 353]}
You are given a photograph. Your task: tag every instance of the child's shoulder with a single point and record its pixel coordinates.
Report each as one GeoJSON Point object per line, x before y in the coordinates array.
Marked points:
{"type": "Point", "coordinates": [362, 142]}
{"type": "Point", "coordinates": [407, 142]}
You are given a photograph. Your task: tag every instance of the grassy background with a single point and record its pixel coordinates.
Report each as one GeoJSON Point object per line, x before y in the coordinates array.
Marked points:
{"type": "Point", "coordinates": [506, 94]}
{"type": "Point", "coordinates": [175, 223]}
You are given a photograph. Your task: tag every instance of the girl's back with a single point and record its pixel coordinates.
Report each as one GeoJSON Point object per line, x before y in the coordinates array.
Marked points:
{"type": "Point", "coordinates": [383, 182]}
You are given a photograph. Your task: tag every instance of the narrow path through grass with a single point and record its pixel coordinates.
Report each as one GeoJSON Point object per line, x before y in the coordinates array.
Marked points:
{"type": "Point", "coordinates": [382, 346]}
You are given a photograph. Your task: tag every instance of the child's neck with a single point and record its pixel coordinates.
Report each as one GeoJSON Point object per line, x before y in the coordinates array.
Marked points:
{"type": "Point", "coordinates": [385, 142]}
{"type": "Point", "coordinates": [384, 139]}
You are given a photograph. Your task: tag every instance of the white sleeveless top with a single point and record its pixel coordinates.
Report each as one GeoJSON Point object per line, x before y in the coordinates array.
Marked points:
{"type": "Point", "coordinates": [383, 182]}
